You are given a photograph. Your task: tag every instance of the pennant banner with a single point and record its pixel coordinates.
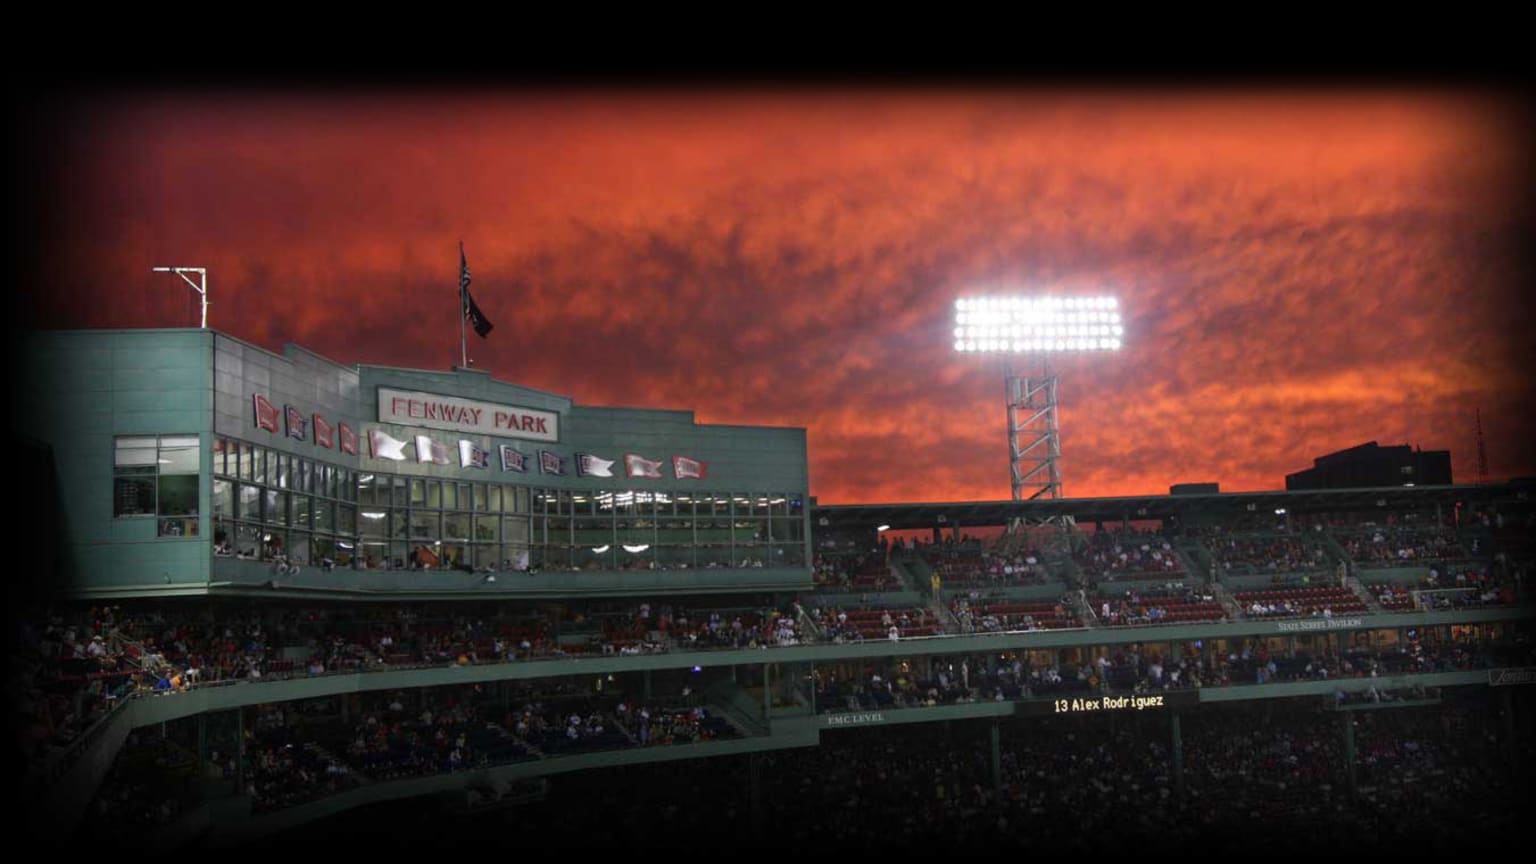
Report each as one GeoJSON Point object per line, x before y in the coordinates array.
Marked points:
{"type": "Point", "coordinates": [349, 439]}
{"type": "Point", "coordinates": [471, 456]}
{"type": "Point", "coordinates": [266, 413]}
{"type": "Point", "coordinates": [513, 459]}
{"type": "Point", "coordinates": [639, 466]}
{"type": "Point", "coordinates": [322, 432]}
{"type": "Point", "coordinates": [551, 463]}
{"type": "Point", "coordinates": [689, 469]}
{"type": "Point", "coordinates": [382, 445]}
{"type": "Point", "coordinates": [588, 465]}
{"type": "Point", "coordinates": [429, 449]}
{"type": "Point", "coordinates": [295, 422]}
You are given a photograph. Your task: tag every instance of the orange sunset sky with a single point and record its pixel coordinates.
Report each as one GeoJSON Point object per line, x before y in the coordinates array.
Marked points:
{"type": "Point", "coordinates": [1300, 271]}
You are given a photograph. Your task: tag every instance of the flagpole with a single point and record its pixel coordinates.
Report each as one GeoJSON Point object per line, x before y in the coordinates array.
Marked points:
{"type": "Point", "coordinates": [463, 344]}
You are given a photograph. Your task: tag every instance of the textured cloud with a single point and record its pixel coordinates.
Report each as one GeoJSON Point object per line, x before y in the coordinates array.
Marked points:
{"type": "Point", "coordinates": [1299, 273]}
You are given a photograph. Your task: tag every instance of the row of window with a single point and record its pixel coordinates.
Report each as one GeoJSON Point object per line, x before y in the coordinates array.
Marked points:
{"type": "Point", "coordinates": [268, 543]}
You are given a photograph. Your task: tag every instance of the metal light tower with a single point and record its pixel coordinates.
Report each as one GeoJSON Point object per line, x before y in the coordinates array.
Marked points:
{"type": "Point", "coordinates": [1036, 327]}
{"type": "Point", "coordinates": [200, 286]}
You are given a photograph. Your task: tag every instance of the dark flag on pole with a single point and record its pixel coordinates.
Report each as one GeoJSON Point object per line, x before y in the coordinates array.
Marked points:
{"type": "Point", "coordinates": [472, 313]}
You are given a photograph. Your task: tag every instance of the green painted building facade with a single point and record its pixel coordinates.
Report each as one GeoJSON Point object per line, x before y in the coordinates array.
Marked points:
{"type": "Point", "coordinates": [190, 462]}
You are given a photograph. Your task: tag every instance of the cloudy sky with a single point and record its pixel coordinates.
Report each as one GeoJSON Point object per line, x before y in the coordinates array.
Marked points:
{"type": "Point", "coordinates": [1300, 272]}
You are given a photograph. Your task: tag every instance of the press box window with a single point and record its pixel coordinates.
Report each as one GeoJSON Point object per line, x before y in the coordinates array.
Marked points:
{"type": "Point", "coordinates": [158, 476]}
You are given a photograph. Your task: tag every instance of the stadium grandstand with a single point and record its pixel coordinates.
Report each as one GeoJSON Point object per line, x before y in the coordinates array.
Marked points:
{"type": "Point", "coordinates": [283, 602]}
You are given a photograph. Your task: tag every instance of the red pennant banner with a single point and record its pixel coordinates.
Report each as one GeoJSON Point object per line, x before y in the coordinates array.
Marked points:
{"type": "Point", "coordinates": [266, 414]}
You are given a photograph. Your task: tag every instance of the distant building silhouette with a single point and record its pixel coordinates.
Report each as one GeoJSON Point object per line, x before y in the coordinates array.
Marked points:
{"type": "Point", "coordinates": [1371, 465]}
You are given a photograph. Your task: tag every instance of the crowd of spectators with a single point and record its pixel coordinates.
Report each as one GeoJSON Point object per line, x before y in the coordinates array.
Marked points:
{"type": "Point", "coordinates": [1169, 604]}
{"type": "Point", "coordinates": [976, 614]}
{"type": "Point", "coordinates": [842, 624]}
{"type": "Point", "coordinates": [1243, 555]}
{"type": "Point", "coordinates": [989, 569]}
{"type": "Point", "coordinates": [1402, 545]}
{"type": "Point", "coordinates": [1128, 554]}
{"type": "Point", "coordinates": [1300, 602]}
{"type": "Point", "coordinates": [867, 571]}
{"type": "Point", "coordinates": [1262, 778]}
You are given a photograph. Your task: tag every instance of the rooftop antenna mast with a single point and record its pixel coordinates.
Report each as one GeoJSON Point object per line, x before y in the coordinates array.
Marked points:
{"type": "Point", "coordinates": [200, 286]}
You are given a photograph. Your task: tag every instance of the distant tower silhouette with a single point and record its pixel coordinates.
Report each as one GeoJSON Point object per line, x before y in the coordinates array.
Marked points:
{"type": "Point", "coordinates": [1482, 451]}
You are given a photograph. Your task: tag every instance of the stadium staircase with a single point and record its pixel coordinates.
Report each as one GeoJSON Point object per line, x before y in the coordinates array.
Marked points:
{"type": "Point", "coordinates": [1228, 603]}
{"type": "Point", "coordinates": [1197, 559]}
{"type": "Point", "coordinates": [1084, 609]}
{"type": "Point", "coordinates": [1354, 584]}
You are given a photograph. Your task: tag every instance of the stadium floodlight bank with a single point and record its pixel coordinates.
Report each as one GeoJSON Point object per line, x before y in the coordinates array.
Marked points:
{"type": "Point", "coordinates": [1037, 325]}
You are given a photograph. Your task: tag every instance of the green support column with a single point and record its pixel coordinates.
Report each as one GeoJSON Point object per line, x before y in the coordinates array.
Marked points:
{"type": "Point", "coordinates": [1178, 757]}
{"type": "Point", "coordinates": [811, 683]}
{"type": "Point", "coordinates": [1349, 748]}
{"type": "Point", "coordinates": [997, 759]}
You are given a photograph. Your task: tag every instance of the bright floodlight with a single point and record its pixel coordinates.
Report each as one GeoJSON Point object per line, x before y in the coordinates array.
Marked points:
{"type": "Point", "coordinates": [1037, 325]}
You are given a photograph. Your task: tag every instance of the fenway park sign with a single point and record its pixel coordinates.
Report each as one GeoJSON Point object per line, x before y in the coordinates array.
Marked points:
{"type": "Point", "coordinates": [436, 411]}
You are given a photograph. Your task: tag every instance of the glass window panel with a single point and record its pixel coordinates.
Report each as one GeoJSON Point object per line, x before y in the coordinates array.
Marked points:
{"type": "Point", "coordinates": [515, 530]}
{"type": "Point", "coordinates": [557, 531]}
{"type": "Point", "coordinates": [178, 495]}
{"type": "Point", "coordinates": [515, 557]}
{"type": "Point", "coordinates": [248, 541]}
{"type": "Point", "coordinates": [450, 496]}
{"type": "Point", "coordinates": [223, 498]}
{"type": "Point", "coordinates": [482, 503]}
{"type": "Point", "coordinates": [372, 522]}
{"type": "Point", "coordinates": [455, 556]}
{"type": "Point", "coordinates": [374, 555]}
{"type": "Point", "coordinates": [426, 525]}
{"type": "Point", "coordinates": [434, 494]}
{"type": "Point", "coordinates": [220, 448]}
{"type": "Point", "coordinates": [244, 460]}
{"type": "Point", "coordinates": [397, 524]}
{"type": "Point", "coordinates": [519, 499]}
{"type": "Point", "coordinates": [324, 515]}
{"type": "Point", "coordinates": [180, 459]}
{"type": "Point", "coordinates": [349, 485]}
{"type": "Point", "coordinates": [302, 505]}
{"type": "Point", "coordinates": [304, 482]}
{"type": "Point", "coordinates": [593, 531]}
{"type": "Point", "coordinates": [586, 558]}
{"type": "Point", "coordinates": [250, 502]}
{"type": "Point", "coordinates": [401, 493]}
{"type": "Point", "coordinates": [346, 519]}
{"type": "Point", "coordinates": [275, 508]}
{"type": "Point", "coordinates": [493, 499]}
{"type": "Point", "coordinates": [486, 556]}
{"type": "Point", "coordinates": [331, 481]}
{"type": "Point", "coordinates": [485, 529]}
{"type": "Point", "coordinates": [564, 503]}
{"type": "Point", "coordinates": [280, 473]}
{"type": "Point", "coordinates": [134, 451]}
{"type": "Point", "coordinates": [299, 547]}
{"type": "Point", "coordinates": [398, 555]}
{"type": "Point", "coordinates": [133, 496]}
{"type": "Point", "coordinates": [259, 464]}
{"type": "Point", "coordinates": [456, 526]}
{"type": "Point", "coordinates": [463, 498]}
{"type": "Point", "coordinates": [367, 490]}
